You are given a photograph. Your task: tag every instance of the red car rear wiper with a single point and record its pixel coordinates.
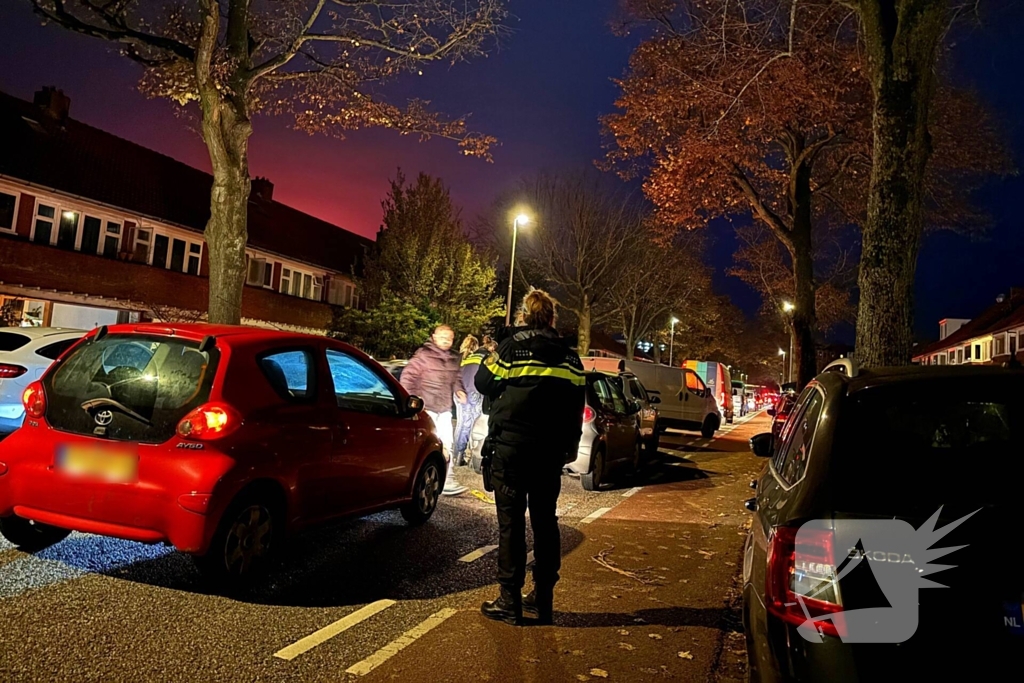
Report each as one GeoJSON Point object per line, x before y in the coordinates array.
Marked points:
{"type": "Point", "coordinates": [87, 406]}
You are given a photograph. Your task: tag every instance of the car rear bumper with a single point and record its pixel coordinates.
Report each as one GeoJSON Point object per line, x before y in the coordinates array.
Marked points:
{"type": "Point", "coordinates": [174, 499]}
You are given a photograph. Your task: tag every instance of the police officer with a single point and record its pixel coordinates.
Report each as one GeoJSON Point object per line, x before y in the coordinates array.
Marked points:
{"type": "Point", "coordinates": [536, 386]}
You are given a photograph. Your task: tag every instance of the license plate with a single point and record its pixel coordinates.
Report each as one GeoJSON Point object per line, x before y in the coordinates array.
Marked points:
{"type": "Point", "coordinates": [112, 464]}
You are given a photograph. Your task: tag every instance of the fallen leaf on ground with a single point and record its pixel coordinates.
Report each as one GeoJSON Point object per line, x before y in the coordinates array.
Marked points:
{"type": "Point", "coordinates": [582, 677]}
{"type": "Point", "coordinates": [623, 632]}
{"type": "Point", "coordinates": [654, 636]}
{"type": "Point", "coordinates": [685, 655]}
{"type": "Point", "coordinates": [600, 673]}
{"type": "Point", "coordinates": [625, 646]}
{"type": "Point", "coordinates": [578, 653]}
{"type": "Point", "coordinates": [706, 553]}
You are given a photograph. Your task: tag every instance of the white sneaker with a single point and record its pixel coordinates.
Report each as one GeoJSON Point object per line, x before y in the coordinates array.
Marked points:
{"type": "Point", "coordinates": [455, 490]}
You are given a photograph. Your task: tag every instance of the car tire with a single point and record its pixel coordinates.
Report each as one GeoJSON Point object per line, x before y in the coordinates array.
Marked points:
{"type": "Point", "coordinates": [30, 536]}
{"type": "Point", "coordinates": [425, 492]}
{"type": "Point", "coordinates": [594, 479]}
{"type": "Point", "coordinates": [249, 533]}
{"type": "Point", "coordinates": [654, 442]}
{"type": "Point", "coordinates": [707, 430]}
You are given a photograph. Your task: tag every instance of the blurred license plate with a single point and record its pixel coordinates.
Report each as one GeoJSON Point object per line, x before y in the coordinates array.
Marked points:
{"type": "Point", "coordinates": [108, 463]}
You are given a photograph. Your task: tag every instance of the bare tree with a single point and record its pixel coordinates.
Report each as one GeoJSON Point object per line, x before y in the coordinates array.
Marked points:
{"type": "Point", "coordinates": [656, 282]}
{"type": "Point", "coordinates": [318, 60]}
{"type": "Point", "coordinates": [579, 241]}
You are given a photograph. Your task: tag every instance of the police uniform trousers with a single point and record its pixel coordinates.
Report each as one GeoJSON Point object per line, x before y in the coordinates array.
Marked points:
{"type": "Point", "coordinates": [527, 475]}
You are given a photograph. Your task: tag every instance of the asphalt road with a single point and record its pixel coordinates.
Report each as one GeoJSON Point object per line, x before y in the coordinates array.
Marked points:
{"type": "Point", "coordinates": [648, 592]}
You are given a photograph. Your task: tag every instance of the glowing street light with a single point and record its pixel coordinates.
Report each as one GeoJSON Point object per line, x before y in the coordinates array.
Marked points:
{"type": "Point", "coordinates": [521, 219]}
{"type": "Point", "coordinates": [788, 306]}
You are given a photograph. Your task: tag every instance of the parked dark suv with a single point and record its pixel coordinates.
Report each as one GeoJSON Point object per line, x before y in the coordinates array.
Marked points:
{"type": "Point", "coordinates": [837, 558]}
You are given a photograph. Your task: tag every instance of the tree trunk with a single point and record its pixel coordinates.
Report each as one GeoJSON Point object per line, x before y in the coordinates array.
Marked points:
{"type": "Point", "coordinates": [901, 38]}
{"type": "Point", "coordinates": [226, 133]}
{"type": "Point", "coordinates": [803, 320]}
{"type": "Point", "coordinates": [583, 331]}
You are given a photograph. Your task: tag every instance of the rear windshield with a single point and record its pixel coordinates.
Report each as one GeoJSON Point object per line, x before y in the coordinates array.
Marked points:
{"type": "Point", "coordinates": [907, 450]}
{"type": "Point", "coordinates": [129, 387]}
{"type": "Point", "coordinates": [12, 341]}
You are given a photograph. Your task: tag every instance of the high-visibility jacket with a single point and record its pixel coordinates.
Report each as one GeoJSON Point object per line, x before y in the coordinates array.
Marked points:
{"type": "Point", "coordinates": [537, 390]}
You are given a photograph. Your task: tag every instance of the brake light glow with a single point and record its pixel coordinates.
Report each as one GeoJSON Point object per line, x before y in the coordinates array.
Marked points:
{"type": "Point", "coordinates": [34, 400]}
{"type": "Point", "coordinates": [8, 371]}
{"type": "Point", "coordinates": [209, 421]}
{"type": "Point", "coordinates": [801, 582]}
{"type": "Point", "coordinates": [588, 414]}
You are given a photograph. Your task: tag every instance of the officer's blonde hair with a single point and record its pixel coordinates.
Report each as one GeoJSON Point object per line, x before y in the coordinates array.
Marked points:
{"type": "Point", "coordinates": [539, 309]}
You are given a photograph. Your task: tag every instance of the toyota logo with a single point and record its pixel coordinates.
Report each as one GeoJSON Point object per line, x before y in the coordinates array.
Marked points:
{"type": "Point", "coordinates": [104, 417]}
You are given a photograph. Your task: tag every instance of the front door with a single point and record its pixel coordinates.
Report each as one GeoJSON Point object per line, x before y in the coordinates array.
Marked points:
{"type": "Point", "coordinates": [375, 446]}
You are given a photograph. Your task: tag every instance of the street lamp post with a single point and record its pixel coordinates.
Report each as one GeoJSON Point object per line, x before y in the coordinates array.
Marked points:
{"type": "Point", "coordinates": [783, 373]}
{"type": "Point", "coordinates": [788, 307]}
{"type": "Point", "coordinates": [524, 219]}
{"type": "Point", "coordinates": [671, 340]}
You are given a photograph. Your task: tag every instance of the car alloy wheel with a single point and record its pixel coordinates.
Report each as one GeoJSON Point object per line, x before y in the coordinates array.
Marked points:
{"type": "Point", "coordinates": [248, 540]}
{"type": "Point", "coordinates": [429, 489]}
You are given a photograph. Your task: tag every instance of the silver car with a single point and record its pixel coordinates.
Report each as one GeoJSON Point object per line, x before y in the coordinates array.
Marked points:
{"type": "Point", "coordinates": [25, 353]}
{"type": "Point", "coordinates": [612, 438]}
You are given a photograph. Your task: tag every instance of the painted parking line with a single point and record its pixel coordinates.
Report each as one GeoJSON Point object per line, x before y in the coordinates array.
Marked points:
{"type": "Point", "coordinates": [594, 515]}
{"type": "Point", "coordinates": [405, 640]}
{"type": "Point", "coordinates": [632, 492]}
{"type": "Point", "coordinates": [478, 553]}
{"type": "Point", "coordinates": [327, 632]}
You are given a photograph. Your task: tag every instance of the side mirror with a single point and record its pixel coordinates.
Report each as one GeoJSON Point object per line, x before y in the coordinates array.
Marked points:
{"type": "Point", "coordinates": [763, 445]}
{"type": "Point", "coordinates": [751, 504]}
{"type": "Point", "coordinates": [413, 405]}
{"type": "Point", "coordinates": [654, 400]}
{"type": "Point", "coordinates": [771, 412]}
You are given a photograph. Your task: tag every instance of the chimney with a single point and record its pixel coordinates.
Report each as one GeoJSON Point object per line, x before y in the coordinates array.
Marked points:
{"type": "Point", "coordinates": [262, 189]}
{"type": "Point", "coordinates": [54, 102]}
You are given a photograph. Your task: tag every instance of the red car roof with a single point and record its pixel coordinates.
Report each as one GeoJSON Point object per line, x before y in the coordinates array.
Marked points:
{"type": "Point", "coordinates": [197, 331]}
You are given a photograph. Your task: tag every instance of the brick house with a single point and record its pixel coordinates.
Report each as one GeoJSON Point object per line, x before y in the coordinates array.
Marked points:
{"type": "Point", "coordinates": [991, 338]}
{"type": "Point", "coordinates": [95, 229]}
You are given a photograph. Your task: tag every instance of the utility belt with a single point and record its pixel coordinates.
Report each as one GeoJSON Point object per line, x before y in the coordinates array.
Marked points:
{"type": "Point", "coordinates": [510, 438]}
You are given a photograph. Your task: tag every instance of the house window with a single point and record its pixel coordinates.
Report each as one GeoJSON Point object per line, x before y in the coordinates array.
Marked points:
{"type": "Point", "coordinates": [999, 345]}
{"type": "Point", "coordinates": [268, 274]}
{"type": "Point", "coordinates": [960, 356]}
{"type": "Point", "coordinates": [286, 280]}
{"type": "Point", "coordinates": [967, 352]}
{"type": "Point", "coordinates": [977, 352]}
{"type": "Point", "coordinates": [942, 359]}
{"type": "Point", "coordinates": [195, 255]}
{"type": "Point", "coordinates": [170, 253]}
{"type": "Point", "coordinates": [91, 227]}
{"type": "Point", "coordinates": [111, 239]}
{"type": "Point", "coordinates": [143, 239]}
{"type": "Point", "coordinates": [43, 228]}
{"type": "Point", "coordinates": [67, 232]}
{"type": "Point", "coordinates": [8, 211]}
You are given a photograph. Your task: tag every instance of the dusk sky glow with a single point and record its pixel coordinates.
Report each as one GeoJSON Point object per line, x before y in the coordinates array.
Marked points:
{"type": "Point", "coordinates": [541, 95]}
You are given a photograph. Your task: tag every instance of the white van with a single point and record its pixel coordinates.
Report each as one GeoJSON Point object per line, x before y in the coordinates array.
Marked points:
{"type": "Point", "coordinates": [686, 402]}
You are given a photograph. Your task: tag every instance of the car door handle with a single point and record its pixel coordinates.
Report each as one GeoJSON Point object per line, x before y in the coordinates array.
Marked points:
{"type": "Point", "coordinates": [319, 428]}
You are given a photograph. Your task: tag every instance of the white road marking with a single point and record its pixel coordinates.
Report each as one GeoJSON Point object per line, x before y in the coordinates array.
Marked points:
{"type": "Point", "coordinates": [594, 515]}
{"type": "Point", "coordinates": [529, 557]}
{"type": "Point", "coordinates": [405, 640]}
{"type": "Point", "coordinates": [327, 632]}
{"type": "Point", "coordinates": [478, 553]}
{"type": "Point", "coordinates": [632, 492]}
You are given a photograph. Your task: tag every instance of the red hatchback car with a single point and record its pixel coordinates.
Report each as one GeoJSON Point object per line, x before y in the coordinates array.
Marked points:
{"type": "Point", "coordinates": [218, 440]}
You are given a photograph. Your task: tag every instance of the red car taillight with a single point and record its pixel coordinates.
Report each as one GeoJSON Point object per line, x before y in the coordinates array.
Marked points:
{"type": "Point", "coordinates": [588, 414]}
{"type": "Point", "coordinates": [8, 371]}
{"type": "Point", "coordinates": [209, 421]}
{"type": "Point", "coordinates": [34, 399]}
{"type": "Point", "coordinates": [801, 581]}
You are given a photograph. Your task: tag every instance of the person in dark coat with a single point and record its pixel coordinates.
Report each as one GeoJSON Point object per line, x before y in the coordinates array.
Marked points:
{"type": "Point", "coordinates": [536, 386]}
{"type": "Point", "coordinates": [433, 374]}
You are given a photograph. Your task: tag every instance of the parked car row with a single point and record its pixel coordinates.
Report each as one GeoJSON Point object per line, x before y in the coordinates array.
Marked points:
{"type": "Point", "coordinates": [25, 353]}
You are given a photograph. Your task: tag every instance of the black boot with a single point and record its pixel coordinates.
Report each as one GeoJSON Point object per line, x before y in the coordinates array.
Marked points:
{"type": "Point", "coordinates": [539, 604]}
{"type": "Point", "coordinates": [508, 608]}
